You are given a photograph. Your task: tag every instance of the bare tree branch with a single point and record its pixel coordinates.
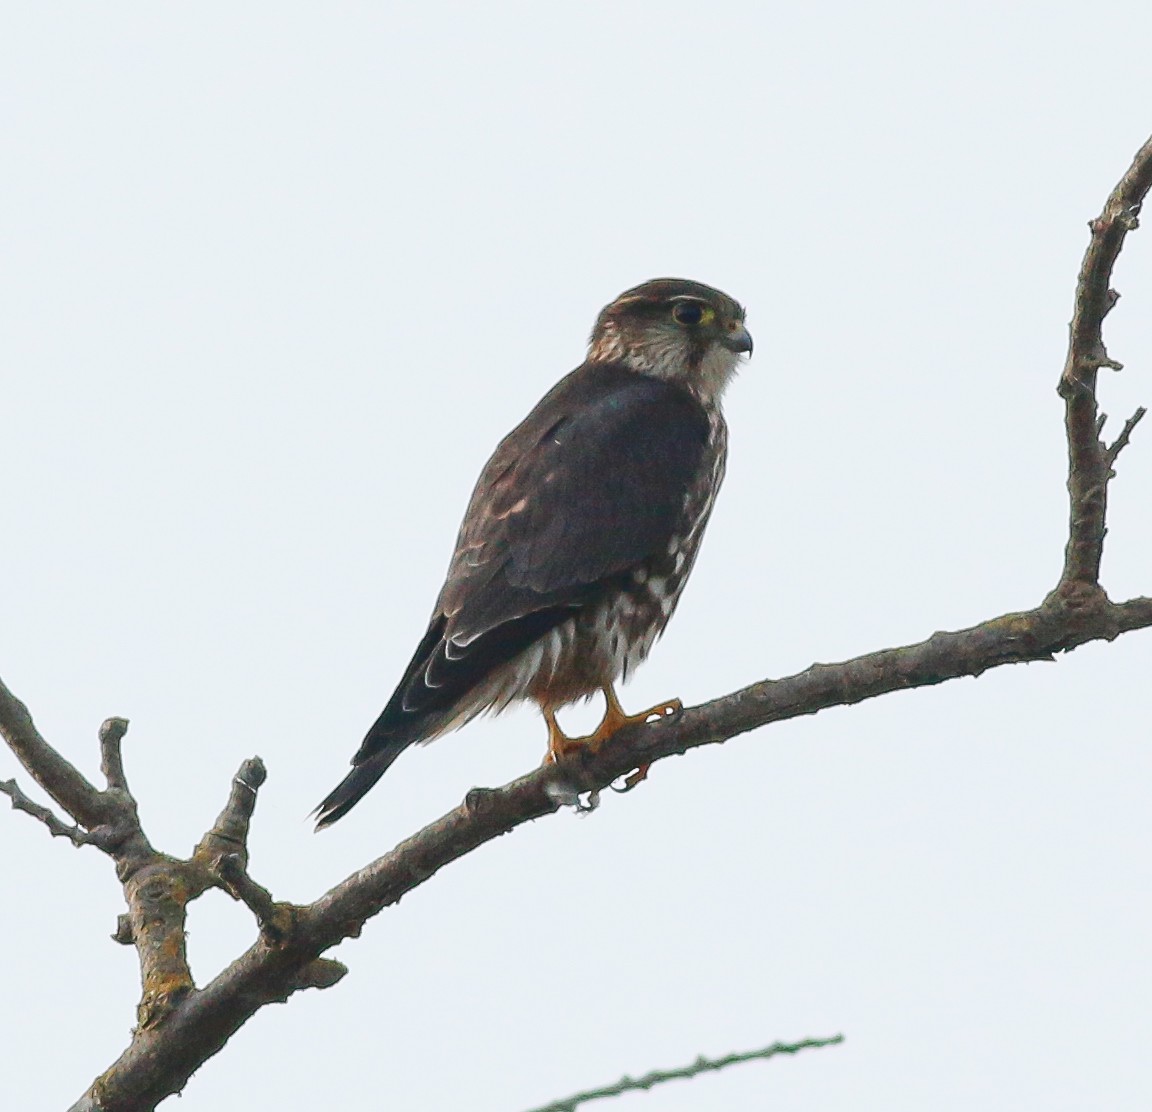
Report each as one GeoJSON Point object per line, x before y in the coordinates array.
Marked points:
{"type": "Point", "coordinates": [51, 771]}
{"type": "Point", "coordinates": [162, 1057]}
{"type": "Point", "coordinates": [702, 1065]}
{"type": "Point", "coordinates": [180, 1026]}
{"type": "Point", "coordinates": [1088, 462]}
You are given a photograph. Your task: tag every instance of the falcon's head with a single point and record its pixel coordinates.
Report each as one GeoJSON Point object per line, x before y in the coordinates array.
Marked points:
{"type": "Point", "coordinates": [674, 329]}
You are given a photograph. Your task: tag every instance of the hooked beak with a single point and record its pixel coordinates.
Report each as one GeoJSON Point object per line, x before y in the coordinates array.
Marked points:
{"type": "Point", "coordinates": [738, 339]}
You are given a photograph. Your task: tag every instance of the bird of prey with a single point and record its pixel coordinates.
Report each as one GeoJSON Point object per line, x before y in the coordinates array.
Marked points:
{"type": "Point", "coordinates": [580, 533]}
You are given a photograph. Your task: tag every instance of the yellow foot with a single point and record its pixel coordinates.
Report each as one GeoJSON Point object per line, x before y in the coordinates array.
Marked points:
{"type": "Point", "coordinates": [653, 714]}
{"type": "Point", "coordinates": [561, 746]}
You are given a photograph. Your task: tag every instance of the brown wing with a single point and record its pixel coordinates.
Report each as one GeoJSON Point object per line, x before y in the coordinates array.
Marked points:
{"type": "Point", "coordinates": [591, 484]}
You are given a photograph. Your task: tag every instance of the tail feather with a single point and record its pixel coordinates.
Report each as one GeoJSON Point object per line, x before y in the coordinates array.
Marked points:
{"type": "Point", "coordinates": [356, 785]}
{"type": "Point", "coordinates": [389, 736]}
{"type": "Point", "coordinates": [437, 692]}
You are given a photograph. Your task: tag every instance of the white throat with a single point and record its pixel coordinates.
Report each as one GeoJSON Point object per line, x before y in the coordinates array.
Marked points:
{"type": "Point", "coordinates": [666, 359]}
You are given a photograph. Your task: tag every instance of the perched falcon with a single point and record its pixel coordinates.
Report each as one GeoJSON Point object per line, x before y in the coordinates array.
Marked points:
{"type": "Point", "coordinates": [580, 533]}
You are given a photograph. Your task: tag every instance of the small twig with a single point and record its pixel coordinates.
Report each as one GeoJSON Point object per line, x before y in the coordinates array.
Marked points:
{"type": "Point", "coordinates": [57, 828]}
{"type": "Point", "coordinates": [1121, 442]}
{"type": "Point", "coordinates": [112, 732]}
{"type": "Point", "coordinates": [701, 1065]}
{"type": "Point", "coordinates": [274, 920]}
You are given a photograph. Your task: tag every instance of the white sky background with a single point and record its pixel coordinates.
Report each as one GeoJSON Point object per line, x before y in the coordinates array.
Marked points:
{"type": "Point", "coordinates": [275, 281]}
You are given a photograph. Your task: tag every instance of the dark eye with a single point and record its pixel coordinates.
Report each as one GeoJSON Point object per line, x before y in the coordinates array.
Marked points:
{"type": "Point", "coordinates": [688, 312]}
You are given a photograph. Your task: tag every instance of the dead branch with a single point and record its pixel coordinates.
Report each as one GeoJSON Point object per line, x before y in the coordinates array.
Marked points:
{"type": "Point", "coordinates": [181, 1026]}
{"type": "Point", "coordinates": [1088, 459]}
{"type": "Point", "coordinates": [67, 787]}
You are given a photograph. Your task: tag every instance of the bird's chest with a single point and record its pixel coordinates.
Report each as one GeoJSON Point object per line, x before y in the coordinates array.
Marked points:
{"type": "Point", "coordinates": [632, 617]}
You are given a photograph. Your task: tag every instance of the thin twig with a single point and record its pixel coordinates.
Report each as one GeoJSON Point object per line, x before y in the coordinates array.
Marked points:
{"type": "Point", "coordinates": [57, 828]}
{"type": "Point", "coordinates": [1121, 442]}
{"type": "Point", "coordinates": [701, 1065]}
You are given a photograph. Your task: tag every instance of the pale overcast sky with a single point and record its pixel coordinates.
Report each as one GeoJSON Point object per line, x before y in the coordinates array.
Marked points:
{"type": "Point", "coordinates": [276, 278]}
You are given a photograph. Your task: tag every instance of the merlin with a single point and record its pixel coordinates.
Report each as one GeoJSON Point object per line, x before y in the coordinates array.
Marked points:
{"type": "Point", "coordinates": [580, 533]}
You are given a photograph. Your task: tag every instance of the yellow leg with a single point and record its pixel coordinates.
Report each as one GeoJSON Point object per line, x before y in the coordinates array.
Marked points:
{"type": "Point", "coordinates": [616, 718]}
{"type": "Point", "coordinates": [560, 745]}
